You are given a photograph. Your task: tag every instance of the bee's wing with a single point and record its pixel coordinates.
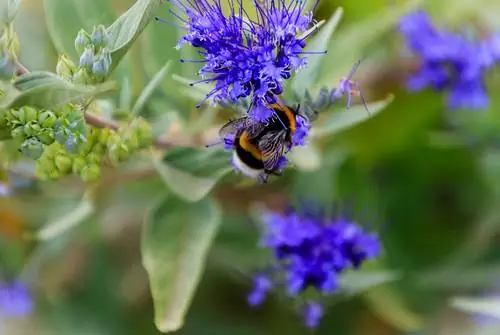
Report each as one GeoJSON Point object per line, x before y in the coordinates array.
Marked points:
{"type": "Point", "coordinates": [272, 147]}
{"type": "Point", "coordinates": [234, 126]}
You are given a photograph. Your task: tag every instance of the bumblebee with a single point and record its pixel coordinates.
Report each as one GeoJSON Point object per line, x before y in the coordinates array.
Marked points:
{"type": "Point", "coordinates": [259, 147]}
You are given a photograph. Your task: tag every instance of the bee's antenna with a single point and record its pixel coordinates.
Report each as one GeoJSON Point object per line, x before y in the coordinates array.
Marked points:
{"type": "Point", "coordinates": [214, 144]}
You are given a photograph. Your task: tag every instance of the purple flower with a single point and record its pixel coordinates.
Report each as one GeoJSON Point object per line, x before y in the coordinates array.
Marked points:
{"type": "Point", "coordinates": [310, 252]}
{"type": "Point", "coordinates": [15, 300]}
{"type": "Point", "coordinates": [262, 285]}
{"type": "Point", "coordinates": [449, 61]}
{"type": "Point", "coordinates": [312, 314]}
{"type": "Point", "coordinates": [243, 56]}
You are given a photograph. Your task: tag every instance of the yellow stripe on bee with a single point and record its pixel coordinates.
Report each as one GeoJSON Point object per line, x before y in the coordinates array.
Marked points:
{"type": "Point", "coordinates": [247, 146]}
{"type": "Point", "coordinates": [288, 113]}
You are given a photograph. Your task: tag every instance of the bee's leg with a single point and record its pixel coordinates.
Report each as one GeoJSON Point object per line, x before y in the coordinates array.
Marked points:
{"type": "Point", "coordinates": [264, 178]}
{"type": "Point", "coordinates": [273, 172]}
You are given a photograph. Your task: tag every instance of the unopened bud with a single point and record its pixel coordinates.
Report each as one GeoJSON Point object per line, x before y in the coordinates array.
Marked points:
{"type": "Point", "coordinates": [46, 135]}
{"type": "Point", "coordinates": [78, 164]}
{"type": "Point", "coordinates": [32, 148]}
{"type": "Point", "coordinates": [30, 114]}
{"type": "Point", "coordinates": [65, 67]}
{"type": "Point", "coordinates": [18, 133]}
{"type": "Point", "coordinates": [81, 77]}
{"type": "Point", "coordinates": [32, 128]}
{"type": "Point", "coordinates": [63, 163]}
{"type": "Point", "coordinates": [100, 68]}
{"type": "Point", "coordinates": [90, 172]}
{"type": "Point", "coordinates": [87, 57]}
{"type": "Point", "coordinates": [47, 119]}
{"type": "Point", "coordinates": [99, 37]}
{"type": "Point", "coordinates": [81, 41]}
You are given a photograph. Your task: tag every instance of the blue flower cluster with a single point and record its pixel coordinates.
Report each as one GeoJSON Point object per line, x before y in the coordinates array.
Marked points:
{"type": "Point", "coordinates": [449, 61]}
{"type": "Point", "coordinates": [245, 56]}
{"type": "Point", "coordinates": [311, 252]}
{"type": "Point", "coordinates": [15, 299]}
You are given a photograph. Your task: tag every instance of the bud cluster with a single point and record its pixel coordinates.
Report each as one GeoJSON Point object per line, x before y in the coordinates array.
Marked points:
{"type": "Point", "coordinates": [9, 48]}
{"type": "Point", "coordinates": [103, 146]}
{"type": "Point", "coordinates": [95, 58]}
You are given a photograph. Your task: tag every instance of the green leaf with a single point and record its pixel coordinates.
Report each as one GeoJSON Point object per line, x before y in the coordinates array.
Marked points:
{"type": "Point", "coordinates": [353, 283]}
{"type": "Point", "coordinates": [306, 158]}
{"type": "Point", "coordinates": [351, 43]}
{"type": "Point", "coordinates": [343, 120]}
{"type": "Point", "coordinates": [8, 11]}
{"type": "Point", "coordinates": [62, 224]}
{"type": "Point", "coordinates": [306, 78]}
{"type": "Point", "coordinates": [149, 89]}
{"type": "Point", "coordinates": [66, 17]}
{"type": "Point", "coordinates": [125, 30]}
{"type": "Point", "coordinates": [485, 306]}
{"type": "Point", "coordinates": [175, 241]}
{"type": "Point", "coordinates": [46, 90]}
{"type": "Point", "coordinates": [191, 173]}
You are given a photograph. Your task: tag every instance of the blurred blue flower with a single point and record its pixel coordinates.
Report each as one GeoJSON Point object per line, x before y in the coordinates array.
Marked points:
{"type": "Point", "coordinates": [310, 252]}
{"type": "Point", "coordinates": [15, 299]}
{"type": "Point", "coordinates": [449, 61]}
{"type": "Point", "coordinates": [246, 57]}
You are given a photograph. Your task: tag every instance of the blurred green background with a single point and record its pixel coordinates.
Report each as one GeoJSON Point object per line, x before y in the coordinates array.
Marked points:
{"type": "Point", "coordinates": [426, 178]}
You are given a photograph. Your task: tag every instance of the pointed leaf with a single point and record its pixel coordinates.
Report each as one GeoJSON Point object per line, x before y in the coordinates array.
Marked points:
{"type": "Point", "coordinates": [191, 173]}
{"type": "Point", "coordinates": [46, 90]}
{"type": "Point", "coordinates": [306, 78]}
{"type": "Point", "coordinates": [485, 306]}
{"type": "Point", "coordinates": [66, 222]}
{"type": "Point", "coordinates": [343, 120]}
{"type": "Point", "coordinates": [353, 283]}
{"type": "Point", "coordinates": [176, 238]}
{"type": "Point", "coordinates": [149, 89]}
{"type": "Point", "coordinates": [125, 30]}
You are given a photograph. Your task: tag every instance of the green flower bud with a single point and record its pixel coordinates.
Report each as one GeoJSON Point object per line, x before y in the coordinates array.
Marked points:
{"type": "Point", "coordinates": [78, 164]}
{"type": "Point", "coordinates": [144, 132]}
{"type": "Point", "coordinates": [131, 141]}
{"type": "Point", "coordinates": [87, 57]}
{"type": "Point", "coordinates": [63, 163]}
{"type": "Point", "coordinates": [90, 173]}
{"type": "Point", "coordinates": [104, 135]}
{"type": "Point", "coordinates": [16, 116]}
{"type": "Point", "coordinates": [81, 41]}
{"type": "Point", "coordinates": [52, 150]}
{"type": "Point", "coordinates": [99, 37]}
{"type": "Point", "coordinates": [93, 158]}
{"type": "Point", "coordinates": [65, 67]}
{"type": "Point", "coordinates": [47, 119]}
{"type": "Point", "coordinates": [46, 136]}
{"type": "Point", "coordinates": [31, 129]}
{"type": "Point", "coordinates": [118, 153]}
{"type": "Point", "coordinates": [32, 148]}
{"type": "Point", "coordinates": [18, 133]}
{"type": "Point", "coordinates": [81, 77]}
{"type": "Point", "coordinates": [30, 114]}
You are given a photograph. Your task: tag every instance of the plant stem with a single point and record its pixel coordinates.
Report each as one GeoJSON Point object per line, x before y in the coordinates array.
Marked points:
{"type": "Point", "coordinates": [99, 121]}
